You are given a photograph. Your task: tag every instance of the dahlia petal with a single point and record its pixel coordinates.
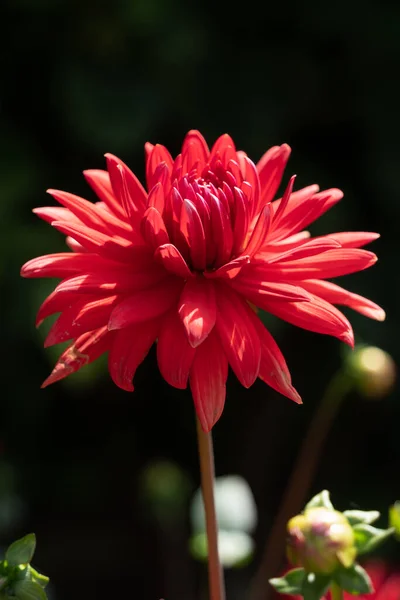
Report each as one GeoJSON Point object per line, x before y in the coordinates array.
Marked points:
{"type": "Point", "coordinates": [127, 189]}
{"type": "Point", "coordinates": [260, 292]}
{"type": "Point", "coordinates": [260, 232]}
{"type": "Point", "coordinates": [129, 348]}
{"type": "Point", "coordinates": [62, 264]}
{"type": "Point", "coordinates": [220, 147]}
{"type": "Point", "coordinates": [57, 302]}
{"type": "Point", "coordinates": [355, 239]}
{"type": "Point", "coordinates": [153, 228]}
{"type": "Point", "coordinates": [230, 269]}
{"type": "Point", "coordinates": [195, 152]}
{"type": "Point", "coordinates": [222, 231]}
{"type": "Point", "coordinates": [304, 250]}
{"type": "Point", "coordinates": [113, 248]}
{"type": "Point", "coordinates": [273, 368]}
{"type": "Point", "coordinates": [170, 257]}
{"type": "Point", "coordinates": [315, 315]}
{"type": "Point", "coordinates": [155, 156]}
{"type": "Point", "coordinates": [156, 198]}
{"type": "Point", "coordinates": [100, 183]}
{"type": "Point", "coordinates": [74, 245]}
{"type": "Point", "coordinates": [90, 214]}
{"type": "Point", "coordinates": [329, 264]}
{"type": "Point", "coordinates": [270, 169]}
{"type": "Point", "coordinates": [111, 281]}
{"type": "Point", "coordinates": [174, 353]}
{"type": "Point", "coordinates": [81, 317]}
{"type": "Point", "coordinates": [55, 213]}
{"type": "Point", "coordinates": [145, 304]}
{"type": "Point", "coordinates": [197, 309]}
{"type": "Point", "coordinates": [192, 230]}
{"type": "Point", "coordinates": [284, 202]}
{"type": "Point", "coordinates": [337, 295]}
{"type": "Point", "coordinates": [87, 348]}
{"type": "Point", "coordinates": [208, 376]}
{"type": "Point", "coordinates": [241, 225]}
{"type": "Point", "coordinates": [238, 335]}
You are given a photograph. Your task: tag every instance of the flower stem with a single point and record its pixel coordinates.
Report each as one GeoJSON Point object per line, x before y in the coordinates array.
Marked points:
{"type": "Point", "coordinates": [336, 592]}
{"type": "Point", "coordinates": [299, 482]}
{"type": "Point", "coordinates": [206, 456]}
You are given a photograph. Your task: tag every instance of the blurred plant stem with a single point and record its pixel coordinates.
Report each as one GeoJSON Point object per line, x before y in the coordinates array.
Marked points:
{"type": "Point", "coordinates": [336, 592]}
{"type": "Point", "coordinates": [207, 470]}
{"type": "Point", "coordinates": [299, 482]}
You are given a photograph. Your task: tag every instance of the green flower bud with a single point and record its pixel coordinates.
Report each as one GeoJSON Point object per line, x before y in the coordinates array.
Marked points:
{"type": "Point", "coordinates": [374, 371]}
{"type": "Point", "coordinates": [320, 541]}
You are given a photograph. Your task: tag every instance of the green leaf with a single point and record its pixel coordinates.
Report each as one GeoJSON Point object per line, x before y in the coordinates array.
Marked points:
{"type": "Point", "coordinates": [291, 583]}
{"type": "Point", "coordinates": [354, 580]}
{"type": "Point", "coordinates": [356, 517]}
{"type": "Point", "coordinates": [367, 538]}
{"type": "Point", "coordinates": [315, 586]}
{"type": "Point", "coordinates": [21, 551]}
{"type": "Point", "coordinates": [29, 590]}
{"type": "Point", "coordinates": [321, 499]}
{"type": "Point", "coordinates": [394, 518]}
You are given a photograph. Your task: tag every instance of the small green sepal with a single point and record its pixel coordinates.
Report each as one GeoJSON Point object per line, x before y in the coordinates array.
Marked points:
{"type": "Point", "coordinates": [367, 538]}
{"type": "Point", "coordinates": [29, 590]}
{"type": "Point", "coordinates": [21, 551]}
{"type": "Point", "coordinates": [357, 517]}
{"type": "Point", "coordinates": [394, 519]}
{"type": "Point", "coordinates": [320, 500]}
{"type": "Point", "coordinates": [315, 586]}
{"type": "Point", "coordinates": [291, 583]}
{"type": "Point", "coordinates": [354, 580]}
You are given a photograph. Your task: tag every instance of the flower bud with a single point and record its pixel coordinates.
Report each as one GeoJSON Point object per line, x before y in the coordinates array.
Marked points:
{"type": "Point", "coordinates": [374, 371]}
{"type": "Point", "coordinates": [320, 540]}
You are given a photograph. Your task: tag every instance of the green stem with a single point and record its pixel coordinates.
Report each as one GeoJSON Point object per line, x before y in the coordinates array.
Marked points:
{"type": "Point", "coordinates": [336, 592]}
{"type": "Point", "coordinates": [299, 483]}
{"type": "Point", "coordinates": [206, 456]}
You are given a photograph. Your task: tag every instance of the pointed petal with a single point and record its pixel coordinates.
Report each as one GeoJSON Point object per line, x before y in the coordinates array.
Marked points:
{"type": "Point", "coordinates": [261, 292]}
{"type": "Point", "coordinates": [230, 269]}
{"type": "Point", "coordinates": [59, 301]}
{"type": "Point", "coordinates": [327, 265]}
{"type": "Point", "coordinates": [81, 317]}
{"type": "Point", "coordinates": [270, 169]}
{"type": "Point", "coordinates": [192, 230]}
{"type": "Point", "coordinates": [156, 155]}
{"type": "Point", "coordinates": [111, 281]}
{"type": "Point", "coordinates": [172, 260]}
{"type": "Point", "coordinates": [63, 264]}
{"type": "Point", "coordinates": [337, 295]}
{"type": "Point", "coordinates": [315, 315]}
{"type": "Point", "coordinates": [208, 381]}
{"type": "Point", "coordinates": [238, 335]}
{"type": "Point", "coordinates": [128, 350]}
{"type": "Point", "coordinates": [100, 182]}
{"type": "Point", "coordinates": [197, 309]}
{"type": "Point", "coordinates": [55, 213]}
{"type": "Point", "coordinates": [303, 250]}
{"type": "Point", "coordinates": [260, 232]}
{"type": "Point", "coordinates": [273, 368]}
{"type": "Point", "coordinates": [195, 152]}
{"type": "Point", "coordinates": [146, 304]}
{"type": "Point", "coordinates": [153, 228]}
{"type": "Point", "coordinates": [157, 198]}
{"type": "Point", "coordinates": [355, 239]}
{"type": "Point", "coordinates": [87, 348]}
{"type": "Point", "coordinates": [174, 353]}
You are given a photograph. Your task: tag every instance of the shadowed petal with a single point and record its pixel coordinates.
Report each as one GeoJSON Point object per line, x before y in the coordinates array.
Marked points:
{"type": "Point", "coordinates": [100, 182]}
{"type": "Point", "coordinates": [238, 335]}
{"type": "Point", "coordinates": [197, 309]}
{"type": "Point", "coordinates": [174, 353]}
{"type": "Point", "coordinates": [87, 348]}
{"type": "Point", "coordinates": [153, 228]}
{"type": "Point", "coordinates": [170, 257]}
{"type": "Point", "coordinates": [146, 304]}
{"type": "Point", "coordinates": [270, 169]}
{"type": "Point", "coordinates": [208, 376]}
{"type": "Point", "coordinates": [128, 349]}
{"type": "Point", "coordinates": [316, 315]}
{"type": "Point", "coordinates": [337, 295]}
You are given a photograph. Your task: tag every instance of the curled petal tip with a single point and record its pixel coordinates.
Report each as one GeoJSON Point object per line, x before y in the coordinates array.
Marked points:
{"type": "Point", "coordinates": [295, 396]}
{"type": "Point", "coordinates": [348, 338]}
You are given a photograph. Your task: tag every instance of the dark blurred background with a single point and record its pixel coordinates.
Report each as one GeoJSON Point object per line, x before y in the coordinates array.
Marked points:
{"type": "Point", "coordinates": [81, 78]}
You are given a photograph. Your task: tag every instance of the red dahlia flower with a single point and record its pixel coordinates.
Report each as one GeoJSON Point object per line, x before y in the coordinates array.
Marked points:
{"type": "Point", "coordinates": [184, 263]}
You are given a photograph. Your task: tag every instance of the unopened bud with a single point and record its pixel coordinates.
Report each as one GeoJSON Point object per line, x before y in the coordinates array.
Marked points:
{"type": "Point", "coordinates": [374, 371]}
{"type": "Point", "coordinates": [320, 541]}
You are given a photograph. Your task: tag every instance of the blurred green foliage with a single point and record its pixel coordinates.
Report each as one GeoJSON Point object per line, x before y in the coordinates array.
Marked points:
{"type": "Point", "coordinates": [81, 78]}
